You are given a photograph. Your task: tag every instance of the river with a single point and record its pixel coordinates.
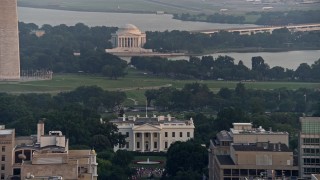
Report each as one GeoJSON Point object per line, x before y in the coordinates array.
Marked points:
{"type": "Point", "coordinates": [290, 59]}
{"type": "Point", "coordinates": [145, 22]}
{"type": "Point", "coordinates": [153, 22]}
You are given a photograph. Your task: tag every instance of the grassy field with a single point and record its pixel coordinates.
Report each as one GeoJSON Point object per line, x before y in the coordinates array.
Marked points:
{"type": "Point", "coordinates": [169, 6]}
{"type": "Point", "coordinates": [134, 84]}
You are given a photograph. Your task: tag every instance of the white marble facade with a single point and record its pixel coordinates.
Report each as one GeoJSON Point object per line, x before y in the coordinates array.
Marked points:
{"type": "Point", "coordinates": [153, 134]}
{"type": "Point", "coordinates": [128, 39]}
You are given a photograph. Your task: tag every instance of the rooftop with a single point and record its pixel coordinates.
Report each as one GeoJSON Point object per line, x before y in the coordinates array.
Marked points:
{"type": "Point", "coordinates": [224, 136]}
{"type": "Point", "coordinates": [225, 160]}
{"type": "Point", "coordinates": [150, 120]}
{"type": "Point", "coordinates": [6, 131]}
{"type": "Point", "coordinates": [262, 146]}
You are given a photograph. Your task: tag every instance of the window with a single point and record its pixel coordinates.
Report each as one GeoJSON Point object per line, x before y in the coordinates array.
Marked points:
{"type": "Point", "coordinates": [138, 145]}
{"type": "Point", "coordinates": [155, 145]}
{"type": "Point", "coordinates": [188, 134]}
{"type": "Point", "coordinates": [3, 167]}
{"type": "Point", "coordinates": [147, 134]}
{"type": "Point", "coordinates": [165, 145]}
{"type": "Point", "coordinates": [166, 134]}
{"type": "Point", "coordinates": [138, 134]}
{"type": "Point", "coordinates": [155, 134]}
{"type": "Point", "coordinates": [3, 158]}
{"type": "Point", "coordinates": [180, 134]}
{"type": "Point", "coordinates": [311, 141]}
{"type": "Point", "coordinates": [127, 145]}
{"type": "Point", "coordinates": [2, 175]}
{"type": "Point", "coordinates": [127, 134]}
{"type": "Point", "coordinates": [3, 149]}
{"type": "Point", "coordinates": [173, 134]}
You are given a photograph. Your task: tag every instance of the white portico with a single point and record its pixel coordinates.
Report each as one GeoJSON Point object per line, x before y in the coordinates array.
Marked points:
{"type": "Point", "coordinates": [148, 134]}
{"type": "Point", "coordinates": [128, 39]}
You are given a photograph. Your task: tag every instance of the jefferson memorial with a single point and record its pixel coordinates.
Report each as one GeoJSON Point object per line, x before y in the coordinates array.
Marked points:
{"type": "Point", "coordinates": [128, 39]}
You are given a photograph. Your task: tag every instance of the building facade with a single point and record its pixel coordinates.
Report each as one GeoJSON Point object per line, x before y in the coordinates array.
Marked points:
{"type": "Point", "coordinates": [44, 156]}
{"type": "Point", "coordinates": [152, 134]}
{"type": "Point", "coordinates": [128, 39]}
{"type": "Point", "coordinates": [309, 146]}
{"type": "Point", "coordinates": [227, 159]}
{"type": "Point", "coordinates": [256, 161]}
{"type": "Point", "coordinates": [9, 41]}
{"type": "Point", "coordinates": [7, 141]}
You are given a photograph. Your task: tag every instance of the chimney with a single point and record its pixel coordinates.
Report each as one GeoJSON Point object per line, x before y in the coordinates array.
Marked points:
{"type": "Point", "coordinates": [124, 117]}
{"type": "Point", "coordinates": [169, 117]}
{"type": "Point", "coordinates": [40, 129]}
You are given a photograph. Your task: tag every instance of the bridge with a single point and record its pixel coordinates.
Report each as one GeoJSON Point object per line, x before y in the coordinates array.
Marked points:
{"type": "Point", "coordinates": [269, 29]}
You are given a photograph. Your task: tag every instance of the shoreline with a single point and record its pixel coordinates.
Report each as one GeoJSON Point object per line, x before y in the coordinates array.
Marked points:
{"type": "Point", "coordinates": [83, 10]}
{"type": "Point", "coordinates": [250, 50]}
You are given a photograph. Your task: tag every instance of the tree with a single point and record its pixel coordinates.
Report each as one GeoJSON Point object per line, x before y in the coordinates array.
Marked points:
{"type": "Point", "coordinates": [186, 156]}
{"type": "Point", "coordinates": [303, 72]}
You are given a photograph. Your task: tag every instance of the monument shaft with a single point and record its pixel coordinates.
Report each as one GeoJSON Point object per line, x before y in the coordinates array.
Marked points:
{"type": "Point", "coordinates": [9, 41]}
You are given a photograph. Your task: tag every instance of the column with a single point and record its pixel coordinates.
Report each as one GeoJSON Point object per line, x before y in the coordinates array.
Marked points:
{"type": "Point", "coordinates": [142, 142]}
{"type": "Point", "coordinates": [159, 135]}
{"type": "Point", "coordinates": [121, 42]}
{"type": "Point", "coordinates": [134, 42]}
{"type": "Point", "coordinates": [127, 42]}
{"type": "Point", "coordinates": [151, 141]}
{"type": "Point", "coordinates": [134, 142]}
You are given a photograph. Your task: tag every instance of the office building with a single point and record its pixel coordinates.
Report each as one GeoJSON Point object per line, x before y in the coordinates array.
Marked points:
{"type": "Point", "coordinates": [309, 146]}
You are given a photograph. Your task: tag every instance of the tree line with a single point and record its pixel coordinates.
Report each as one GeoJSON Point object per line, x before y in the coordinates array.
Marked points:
{"type": "Point", "coordinates": [224, 68]}
{"type": "Point", "coordinates": [69, 49]}
{"type": "Point", "coordinates": [273, 18]}
{"type": "Point", "coordinates": [184, 41]}
{"type": "Point", "coordinates": [198, 97]}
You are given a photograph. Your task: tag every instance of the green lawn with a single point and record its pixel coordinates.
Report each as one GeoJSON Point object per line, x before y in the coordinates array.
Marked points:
{"type": "Point", "coordinates": [134, 84]}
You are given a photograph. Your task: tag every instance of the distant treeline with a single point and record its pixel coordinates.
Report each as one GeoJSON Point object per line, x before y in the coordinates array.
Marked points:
{"type": "Point", "coordinates": [197, 97]}
{"type": "Point", "coordinates": [264, 18]}
{"type": "Point", "coordinates": [224, 68]}
{"type": "Point", "coordinates": [69, 49]}
{"type": "Point", "coordinates": [184, 41]}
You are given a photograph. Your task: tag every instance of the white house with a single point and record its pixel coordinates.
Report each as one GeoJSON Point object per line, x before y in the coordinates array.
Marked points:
{"type": "Point", "coordinates": [148, 134]}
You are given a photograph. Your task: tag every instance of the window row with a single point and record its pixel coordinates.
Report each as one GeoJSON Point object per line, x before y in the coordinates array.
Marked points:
{"type": "Point", "coordinates": [311, 170]}
{"type": "Point", "coordinates": [311, 151]}
{"type": "Point", "coordinates": [145, 135]}
{"type": "Point", "coordinates": [155, 145]}
{"type": "Point", "coordinates": [173, 134]}
{"type": "Point", "coordinates": [311, 141]}
{"type": "Point", "coordinates": [311, 161]}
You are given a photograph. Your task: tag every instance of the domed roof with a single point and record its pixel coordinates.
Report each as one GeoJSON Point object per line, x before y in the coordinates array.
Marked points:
{"type": "Point", "coordinates": [129, 29]}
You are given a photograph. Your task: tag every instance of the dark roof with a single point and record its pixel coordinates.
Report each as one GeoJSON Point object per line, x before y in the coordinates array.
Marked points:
{"type": "Point", "coordinates": [225, 160]}
{"type": "Point", "coordinates": [261, 147]}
